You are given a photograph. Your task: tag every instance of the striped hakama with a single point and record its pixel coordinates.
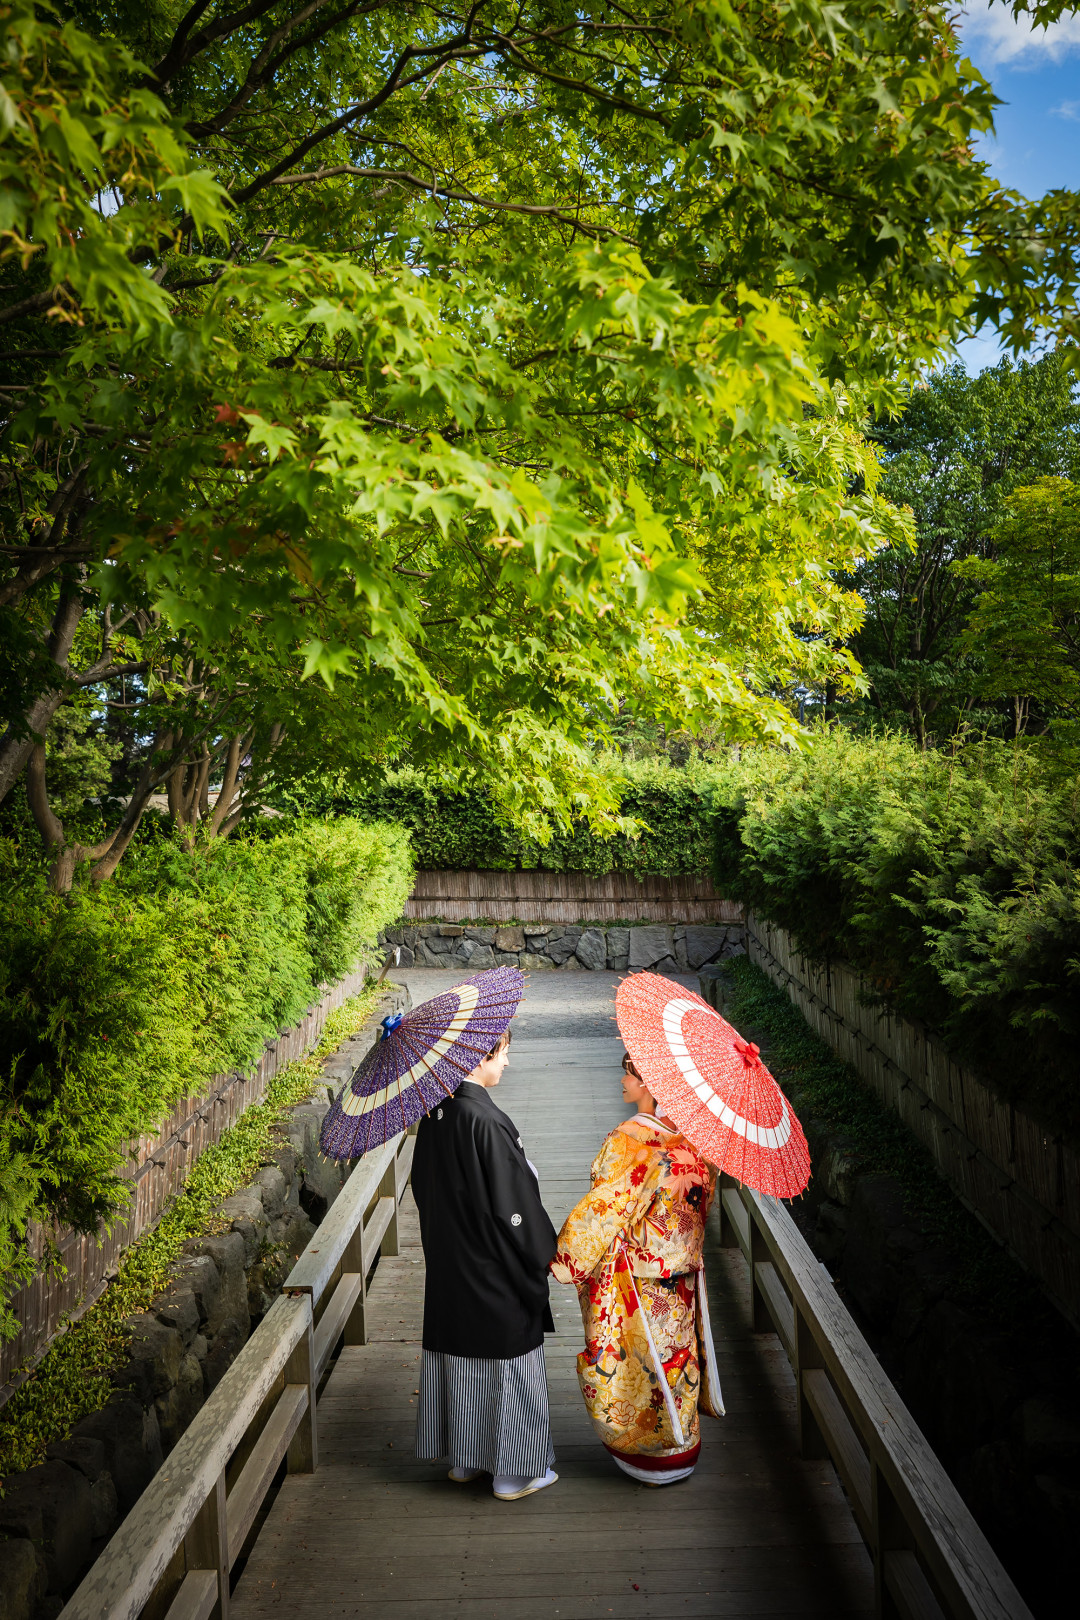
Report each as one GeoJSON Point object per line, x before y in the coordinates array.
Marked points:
{"type": "Point", "coordinates": [485, 1413]}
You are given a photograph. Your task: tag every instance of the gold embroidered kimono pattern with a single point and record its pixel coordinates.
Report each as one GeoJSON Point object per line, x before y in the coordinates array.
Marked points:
{"type": "Point", "coordinates": [633, 1246]}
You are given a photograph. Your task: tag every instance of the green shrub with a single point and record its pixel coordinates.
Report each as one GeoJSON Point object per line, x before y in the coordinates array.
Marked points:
{"type": "Point", "coordinates": [116, 1003]}
{"type": "Point", "coordinates": [75, 1376]}
{"type": "Point", "coordinates": [950, 883]}
{"type": "Point", "coordinates": [455, 831]}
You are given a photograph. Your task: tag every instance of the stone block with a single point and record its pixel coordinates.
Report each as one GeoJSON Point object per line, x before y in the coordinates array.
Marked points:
{"type": "Point", "coordinates": [666, 964]}
{"type": "Point", "coordinates": [81, 1452]}
{"type": "Point", "coordinates": [248, 1219]}
{"type": "Point", "coordinates": [226, 1250]}
{"type": "Point", "coordinates": [199, 1274]}
{"type": "Point", "coordinates": [407, 957]}
{"type": "Point", "coordinates": [830, 1235]}
{"type": "Point", "coordinates": [155, 1354]}
{"type": "Point", "coordinates": [704, 944]}
{"type": "Point", "coordinates": [535, 932]}
{"type": "Point", "coordinates": [619, 964]}
{"type": "Point", "coordinates": [224, 1349]}
{"type": "Point", "coordinates": [178, 1308]}
{"type": "Point", "coordinates": [680, 953]}
{"type": "Point", "coordinates": [425, 956]}
{"type": "Point", "coordinates": [507, 959]}
{"type": "Point", "coordinates": [285, 1159]}
{"type": "Point", "coordinates": [592, 949]}
{"type": "Point", "coordinates": [56, 1498]}
{"type": "Point", "coordinates": [482, 957]}
{"type": "Point", "coordinates": [391, 936]}
{"type": "Point", "coordinates": [449, 931]}
{"type": "Point", "coordinates": [104, 1507]}
{"type": "Point", "coordinates": [649, 945]}
{"type": "Point", "coordinates": [271, 1188]}
{"type": "Point", "coordinates": [321, 1178]}
{"type": "Point", "coordinates": [132, 1441]}
{"type": "Point", "coordinates": [560, 947]}
{"type": "Point", "coordinates": [176, 1409]}
{"type": "Point", "coordinates": [618, 947]}
{"type": "Point", "coordinates": [482, 936]}
{"type": "Point", "coordinates": [24, 1579]}
{"type": "Point", "coordinates": [509, 939]}
{"type": "Point", "coordinates": [530, 962]}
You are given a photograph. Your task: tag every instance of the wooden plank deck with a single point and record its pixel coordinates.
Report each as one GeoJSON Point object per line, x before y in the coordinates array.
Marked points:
{"type": "Point", "coordinates": [755, 1531]}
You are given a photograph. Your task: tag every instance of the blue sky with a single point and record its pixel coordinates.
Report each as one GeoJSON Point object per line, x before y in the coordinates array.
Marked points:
{"type": "Point", "coordinates": [1036, 73]}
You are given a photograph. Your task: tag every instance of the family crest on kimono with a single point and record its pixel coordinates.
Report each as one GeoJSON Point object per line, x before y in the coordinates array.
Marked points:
{"type": "Point", "coordinates": [633, 1247]}
{"type": "Point", "coordinates": [487, 1243]}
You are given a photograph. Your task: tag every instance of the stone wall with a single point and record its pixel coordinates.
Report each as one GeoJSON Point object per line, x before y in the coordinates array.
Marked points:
{"type": "Point", "coordinates": [997, 1399]}
{"type": "Point", "coordinates": [55, 1519]}
{"type": "Point", "coordinates": [536, 947]}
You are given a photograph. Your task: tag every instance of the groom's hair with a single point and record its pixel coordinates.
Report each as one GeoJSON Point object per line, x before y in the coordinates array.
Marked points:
{"type": "Point", "coordinates": [500, 1045]}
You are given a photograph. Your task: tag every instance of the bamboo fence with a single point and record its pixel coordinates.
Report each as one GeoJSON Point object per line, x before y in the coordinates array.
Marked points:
{"type": "Point", "coordinates": [1021, 1179]}
{"type": "Point", "coordinates": [567, 897]}
{"type": "Point", "coordinates": [157, 1168]}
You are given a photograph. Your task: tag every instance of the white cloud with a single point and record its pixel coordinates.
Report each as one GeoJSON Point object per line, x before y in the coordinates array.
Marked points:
{"type": "Point", "coordinates": [994, 37]}
{"type": "Point", "coordinates": [1067, 109]}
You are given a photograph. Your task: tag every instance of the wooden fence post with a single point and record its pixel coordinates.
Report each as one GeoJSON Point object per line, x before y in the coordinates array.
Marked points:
{"type": "Point", "coordinates": [729, 1238]}
{"type": "Point", "coordinates": [889, 1534]}
{"type": "Point", "coordinates": [759, 1252]}
{"type": "Point", "coordinates": [355, 1260]}
{"type": "Point", "coordinates": [388, 1189]}
{"type": "Point", "coordinates": [303, 1453]}
{"type": "Point", "coordinates": [812, 1443]}
{"type": "Point", "coordinates": [206, 1545]}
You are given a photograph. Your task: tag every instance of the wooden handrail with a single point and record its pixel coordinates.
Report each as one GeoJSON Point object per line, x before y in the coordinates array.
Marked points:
{"type": "Point", "coordinates": [188, 1528]}
{"type": "Point", "coordinates": [931, 1560]}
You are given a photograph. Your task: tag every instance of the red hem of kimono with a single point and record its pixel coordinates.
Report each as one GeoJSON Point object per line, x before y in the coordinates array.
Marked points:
{"type": "Point", "coordinates": [654, 1464]}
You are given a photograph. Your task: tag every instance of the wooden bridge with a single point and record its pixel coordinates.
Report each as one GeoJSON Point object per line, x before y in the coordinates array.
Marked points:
{"type": "Point", "coordinates": [295, 1490]}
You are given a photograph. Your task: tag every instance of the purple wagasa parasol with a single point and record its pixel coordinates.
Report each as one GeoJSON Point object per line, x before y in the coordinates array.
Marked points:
{"type": "Point", "coordinates": [422, 1057]}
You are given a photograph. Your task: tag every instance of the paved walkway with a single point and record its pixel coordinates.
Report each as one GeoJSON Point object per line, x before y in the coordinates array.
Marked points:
{"type": "Point", "coordinates": [755, 1531]}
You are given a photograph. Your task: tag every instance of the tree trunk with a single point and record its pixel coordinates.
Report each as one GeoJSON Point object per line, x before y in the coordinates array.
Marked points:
{"type": "Point", "coordinates": [17, 744]}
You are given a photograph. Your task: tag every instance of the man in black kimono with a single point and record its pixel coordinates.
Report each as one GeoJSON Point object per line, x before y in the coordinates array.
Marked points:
{"type": "Point", "coordinates": [487, 1246]}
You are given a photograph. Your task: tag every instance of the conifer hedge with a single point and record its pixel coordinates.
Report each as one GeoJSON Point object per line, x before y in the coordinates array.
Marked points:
{"type": "Point", "coordinates": [668, 831]}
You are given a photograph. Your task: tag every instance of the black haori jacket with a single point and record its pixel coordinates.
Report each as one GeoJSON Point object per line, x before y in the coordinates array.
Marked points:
{"type": "Point", "coordinates": [487, 1237]}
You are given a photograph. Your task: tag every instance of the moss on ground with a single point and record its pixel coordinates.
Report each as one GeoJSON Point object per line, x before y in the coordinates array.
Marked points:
{"type": "Point", "coordinates": [74, 1378]}
{"type": "Point", "coordinates": [821, 1085]}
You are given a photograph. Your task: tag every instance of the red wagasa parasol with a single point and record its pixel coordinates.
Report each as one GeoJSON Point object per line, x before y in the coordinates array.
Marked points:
{"type": "Point", "coordinates": [712, 1084]}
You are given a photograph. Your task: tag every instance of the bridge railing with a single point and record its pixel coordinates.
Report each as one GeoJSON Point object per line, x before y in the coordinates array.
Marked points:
{"type": "Point", "coordinates": [931, 1560]}
{"type": "Point", "coordinates": [171, 1557]}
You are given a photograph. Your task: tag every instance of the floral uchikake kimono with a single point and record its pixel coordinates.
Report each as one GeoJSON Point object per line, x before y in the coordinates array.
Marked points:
{"type": "Point", "coordinates": [633, 1247]}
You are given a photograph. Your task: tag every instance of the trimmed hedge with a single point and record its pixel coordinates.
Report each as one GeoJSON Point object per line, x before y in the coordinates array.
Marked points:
{"type": "Point", "coordinates": [951, 883]}
{"type": "Point", "coordinates": [75, 1377]}
{"type": "Point", "coordinates": [117, 1002]}
{"type": "Point", "coordinates": [456, 831]}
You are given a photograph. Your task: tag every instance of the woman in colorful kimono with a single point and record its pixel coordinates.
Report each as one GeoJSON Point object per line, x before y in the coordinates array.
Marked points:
{"type": "Point", "coordinates": [633, 1246]}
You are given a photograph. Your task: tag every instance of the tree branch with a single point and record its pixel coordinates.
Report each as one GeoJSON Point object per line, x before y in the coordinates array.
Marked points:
{"type": "Point", "coordinates": [405, 178]}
